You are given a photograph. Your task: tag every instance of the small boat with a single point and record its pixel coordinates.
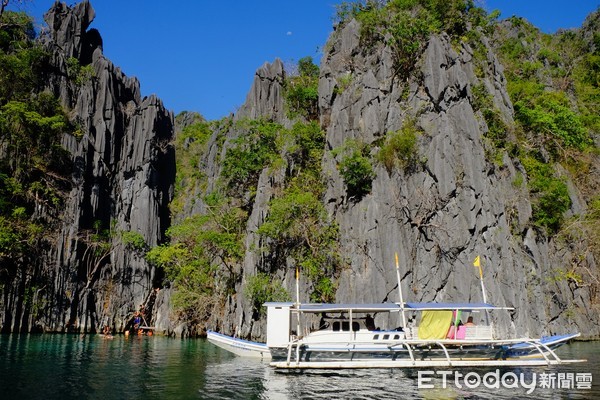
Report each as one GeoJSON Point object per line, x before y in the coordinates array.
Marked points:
{"type": "Point", "coordinates": [240, 347]}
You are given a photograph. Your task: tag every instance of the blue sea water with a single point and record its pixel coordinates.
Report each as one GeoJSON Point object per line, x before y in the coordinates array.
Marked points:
{"type": "Point", "coordinates": [90, 367]}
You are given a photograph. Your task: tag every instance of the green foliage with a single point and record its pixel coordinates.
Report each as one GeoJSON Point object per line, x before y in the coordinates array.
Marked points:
{"type": "Point", "coordinates": [355, 167]}
{"type": "Point", "coordinates": [497, 128]}
{"type": "Point", "coordinates": [33, 161]}
{"type": "Point", "coordinates": [306, 67]}
{"type": "Point", "coordinates": [204, 251]}
{"type": "Point", "coordinates": [17, 30]}
{"type": "Point", "coordinates": [261, 288]}
{"type": "Point", "coordinates": [298, 223]}
{"type": "Point", "coordinates": [594, 209]}
{"type": "Point", "coordinates": [405, 25]}
{"type": "Point", "coordinates": [553, 87]}
{"type": "Point", "coordinates": [200, 257]}
{"type": "Point", "coordinates": [22, 62]}
{"type": "Point", "coordinates": [302, 92]}
{"type": "Point", "coordinates": [298, 226]}
{"type": "Point", "coordinates": [400, 148]}
{"type": "Point", "coordinates": [134, 240]}
{"type": "Point", "coordinates": [551, 115]}
{"type": "Point", "coordinates": [253, 151]}
{"type": "Point", "coordinates": [198, 132]}
{"type": "Point", "coordinates": [305, 147]}
{"type": "Point", "coordinates": [10, 239]}
{"type": "Point", "coordinates": [343, 82]}
{"type": "Point", "coordinates": [80, 74]}
{"type": "Point", "coordinates": [551, 196]}
{"type": "Point", "coordinates": [190, 147]}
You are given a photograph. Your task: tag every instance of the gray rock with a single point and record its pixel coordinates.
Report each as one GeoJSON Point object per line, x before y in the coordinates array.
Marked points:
{"type": "Point", "coordinates": [455, 205]}
{"type": "Point", "coordinates": [124, 173]}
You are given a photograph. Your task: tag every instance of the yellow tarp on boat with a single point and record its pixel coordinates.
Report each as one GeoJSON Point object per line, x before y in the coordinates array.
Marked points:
{"type": "Point", "coordinates": [434, 324]}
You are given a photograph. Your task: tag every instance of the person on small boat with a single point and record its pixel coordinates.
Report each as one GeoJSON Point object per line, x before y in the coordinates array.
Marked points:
{"type": "Point", "coordinates": [106, 332]}
{"type": "Point", "coordinates": [137, 320]}
{"type": "Point", "coordinates": [470, 322]}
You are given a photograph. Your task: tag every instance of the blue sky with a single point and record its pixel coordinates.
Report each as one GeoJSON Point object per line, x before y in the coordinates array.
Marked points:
{"type": "Point", "coordinates": [201, 55]}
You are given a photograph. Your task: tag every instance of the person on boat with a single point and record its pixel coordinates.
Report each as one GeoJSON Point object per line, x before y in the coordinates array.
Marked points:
{"type": "Point", "coordinates": [137, 320]}
{"type": "Point", "coordinates": [323, 324]}
{"type": "Point", "coordinates": [470, 322]}
{"type": "Point", "coordinates": [370, 322]}
{"type": "Point", "coordinates": [106, 333]}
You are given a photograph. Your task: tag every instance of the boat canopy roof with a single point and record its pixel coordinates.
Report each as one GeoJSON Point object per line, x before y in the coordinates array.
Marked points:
{"type": "Point", "coordinates": [454, 306]}
{"type": "Point", "coordinates": [387, 307]}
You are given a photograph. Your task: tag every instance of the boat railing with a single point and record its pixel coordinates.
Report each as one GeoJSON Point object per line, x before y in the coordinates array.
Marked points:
{"type": "Point", "coordinates": [478, 332]}
{"type": "Point", "coordinates": [473, 332]}
{"type": "Point", "coordinates": [412, 344]}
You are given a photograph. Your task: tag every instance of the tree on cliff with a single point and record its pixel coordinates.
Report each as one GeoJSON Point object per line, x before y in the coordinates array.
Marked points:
{"type": "Point", "coordinates": [33, 165]}
{"type": "Point", "coordinates": [5, 4]}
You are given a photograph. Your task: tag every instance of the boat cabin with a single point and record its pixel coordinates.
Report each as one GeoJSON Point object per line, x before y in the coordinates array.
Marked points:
{"type": "Point", "coordinates": [355, 322]}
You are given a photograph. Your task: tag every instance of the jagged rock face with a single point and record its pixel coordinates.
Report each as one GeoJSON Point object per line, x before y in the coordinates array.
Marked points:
{"type": "Point", "coordinates": [265, 99]}
{"type": "Point", "coordinates": [124, 173]}
{"type": "Point", "coordinates": [456, 204]}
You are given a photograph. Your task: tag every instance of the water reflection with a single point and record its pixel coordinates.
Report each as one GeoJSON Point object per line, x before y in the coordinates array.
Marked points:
{"type": "Point", "coordinates": [253, 379]}
{"type": "Point", "coordinates": [70, 366]}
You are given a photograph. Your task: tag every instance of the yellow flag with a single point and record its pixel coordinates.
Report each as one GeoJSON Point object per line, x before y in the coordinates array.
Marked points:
{"type": "Point", "coordinates": [477, 263]}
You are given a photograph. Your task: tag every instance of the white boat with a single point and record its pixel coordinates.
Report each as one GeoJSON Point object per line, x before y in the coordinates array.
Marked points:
{"type": "Point", "coordinates": [240, 347]}
{"type": "Point", "coordinates": [344, 339]}
{"type": "Point", "coordinates": [347, 336]}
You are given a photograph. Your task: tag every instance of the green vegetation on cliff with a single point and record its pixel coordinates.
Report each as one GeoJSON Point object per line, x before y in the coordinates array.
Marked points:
{"type": "Point", "coordinates": [34, 168]}
{"type": "Point", "coordinates": [204, 252]}
{"type": "Point", "coordinates": [302, 92]}
{"type": "Point", "coordinates": [554, 86]}
{"type": "Point", "coordinates": [405, 25]}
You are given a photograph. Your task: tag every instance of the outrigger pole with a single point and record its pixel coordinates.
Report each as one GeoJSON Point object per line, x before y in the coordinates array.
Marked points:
{"type": "Point", "coordinates": [298, 300]}
{"type": "Point", "coordinates": [400, 291]}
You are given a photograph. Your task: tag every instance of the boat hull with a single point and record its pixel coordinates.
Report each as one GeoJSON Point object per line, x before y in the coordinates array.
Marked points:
{"type": "Point", "coordinates": [239, 347]}
{"type": "Point", "coordinates": [533, 352]}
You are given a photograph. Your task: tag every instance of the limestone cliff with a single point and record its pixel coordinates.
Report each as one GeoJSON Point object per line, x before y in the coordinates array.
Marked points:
{"type": "Point", "coordinates": [122, 183]}
{"type": "Point", "coordinates": [453, 204]}
{"type": "Point", "coordinates": [459, 196]}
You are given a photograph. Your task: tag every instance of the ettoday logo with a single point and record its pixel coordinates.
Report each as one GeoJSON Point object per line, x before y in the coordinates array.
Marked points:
{"type": "Point", "coordinates": [507, 380]}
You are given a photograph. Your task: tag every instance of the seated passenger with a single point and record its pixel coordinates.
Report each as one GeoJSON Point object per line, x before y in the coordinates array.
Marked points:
{"type": "Point", "coordinates": [370, 322]}
{"type": "Point", "coordinates": [470, 322]}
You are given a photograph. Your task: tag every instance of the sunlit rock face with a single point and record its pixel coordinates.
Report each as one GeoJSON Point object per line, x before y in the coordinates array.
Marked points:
{"type": "Point", "coordinates": [451, 206]}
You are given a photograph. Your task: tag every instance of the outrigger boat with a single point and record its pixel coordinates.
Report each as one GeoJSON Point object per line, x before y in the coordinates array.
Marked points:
{"type": "Point", "coordinates": [346, 341]}
{"type": "Point", "coordinates": [347, 337]}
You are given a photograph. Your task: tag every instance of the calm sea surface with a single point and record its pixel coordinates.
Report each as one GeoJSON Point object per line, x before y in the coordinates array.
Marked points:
{"type": "Point", "coordinates": [69, 366]}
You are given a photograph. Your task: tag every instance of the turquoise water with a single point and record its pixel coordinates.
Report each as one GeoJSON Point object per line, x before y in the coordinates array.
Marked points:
{"type": "Point", "coordinates": [91, 367]}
